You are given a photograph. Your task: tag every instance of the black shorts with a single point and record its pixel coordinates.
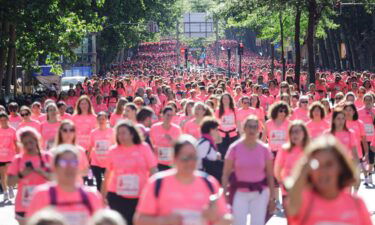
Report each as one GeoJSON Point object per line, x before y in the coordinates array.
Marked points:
{"type": "Point", "coordinates": [162, 167]}
{"type": "Point", "coordinates": [371, 157]}
{"type": "Point", "coordinates": [4, 163]}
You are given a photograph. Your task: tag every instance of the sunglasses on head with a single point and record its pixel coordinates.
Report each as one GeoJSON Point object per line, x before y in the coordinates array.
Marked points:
{"type": "Point", "coordinates": [64, 163]}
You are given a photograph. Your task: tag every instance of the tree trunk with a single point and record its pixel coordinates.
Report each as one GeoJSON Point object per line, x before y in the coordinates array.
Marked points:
{"type": "Point", "coordinates": [3, 49]}
{"type": "Point", "coordinates": [323, 52]}
{"type": "Point", "coordinates": [282, 43]}
{"type": "Point", "coordinates": [272, 58]}
{"type": "Point", "coordinates": [312, 7]}
{"type": "Point", "coordinates": [297, 45]}
{"type": "Point", "coordinates": [14, 72]}
{"type": "Point", "coordinates": [11, 47]}
{"type": "Point", "coordinates": [333, 47]}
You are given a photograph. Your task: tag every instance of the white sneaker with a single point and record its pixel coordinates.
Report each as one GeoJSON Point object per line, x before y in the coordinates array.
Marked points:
{"type": "Point", "coordinates": [367, 180]}
{"type": "Point", "coordinates": [370, 179]}
{"type": "Point", "coordinates": [6, 196]}
{"type": "Point", "coordinates": [11, 193]}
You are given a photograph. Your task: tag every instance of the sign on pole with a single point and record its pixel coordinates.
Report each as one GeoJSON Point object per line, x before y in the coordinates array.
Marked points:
{"type": "Point", "coordinates": [198, 25]}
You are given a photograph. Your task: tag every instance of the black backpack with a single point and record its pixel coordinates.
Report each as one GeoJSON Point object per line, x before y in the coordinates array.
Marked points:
{"type": "Point", "coordinates": [214, 168]}
{"type": "Point", "coordinates": [84, 199]}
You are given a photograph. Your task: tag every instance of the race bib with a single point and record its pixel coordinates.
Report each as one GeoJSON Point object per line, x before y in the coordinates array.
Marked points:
{"type": "Point", "coordinates": [369, 129]}
{"type": "Point", "coordinates": [76, 218]}
{"type": "Point", "coordinates": [278, 137]}
{"type": "Point", "coordinates": [165, 154]}
{"type": "Point", "coordinates": [127, 185]}
{"type": "Point", "coordinates": [101, 147]}
{"type": "Point", "coordinates": [228, 121]}
{"type": "Point", "coordinates": [190, 217]}
{"type": "Point", "coordinates": [27, 192]}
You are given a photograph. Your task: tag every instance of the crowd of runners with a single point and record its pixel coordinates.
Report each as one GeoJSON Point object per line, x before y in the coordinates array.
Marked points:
{"type": "Point", "coordinates": [161, 145]}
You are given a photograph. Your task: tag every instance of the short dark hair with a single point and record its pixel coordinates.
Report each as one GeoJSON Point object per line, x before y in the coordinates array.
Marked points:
{"type": "Point", "coordinates": [166, 109]}
{"type": "Point", "coordinates": [208, 124]}
{"type": "Point", "coordinates": [144, 113]}
{"type": "Point", "coordinates": [274, 109]}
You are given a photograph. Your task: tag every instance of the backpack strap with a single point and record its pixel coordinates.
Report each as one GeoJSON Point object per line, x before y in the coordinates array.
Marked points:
{"type": "Point", "coordinates": [211, 146]}
{"type": "Point", "coordinates": [158, 183]}
{"type": "Point", "coordinates": [202, 175]}
{"type": "Point", "coordinates": [208, 182]}
{"type": "Point", "coordinates": [52, 195]}
{"type": "Point", "coordinates": [86, 200]}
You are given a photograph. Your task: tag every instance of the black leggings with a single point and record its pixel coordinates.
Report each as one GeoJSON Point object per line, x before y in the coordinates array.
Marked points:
{"type": "Point", "coordinates": [98, 173]}
{"type": "Point", "coordinates": [125, 206]}
{"type": "Point", "coordinates": [224, 145]}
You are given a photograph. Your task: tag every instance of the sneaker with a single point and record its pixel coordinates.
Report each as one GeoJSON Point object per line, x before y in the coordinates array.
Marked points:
{"type": "Point", "coordinates": [6, 196]}
{"type": "Point", "coordinates": [370, 179]}
{"type": "Point", "coordinates": [11, 193]}
{"type": "Point", "coordinates": [367, 180]}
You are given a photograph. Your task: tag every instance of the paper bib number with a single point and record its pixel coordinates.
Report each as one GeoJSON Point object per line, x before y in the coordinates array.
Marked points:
{"type": "Point", "coordinates": [27, 191]}
{"type": "Point", "coordinates": [101, 147]}
{"type": "Point", "coordinates": [228, 121]}
{"type": "Point", "coordinates": [76, 218]}
{"type": "Point", "coordinates": [165, 154]}
{"type": "Point", "coordinates": [127, 185]}
{"type": "Point", "coordinates": [278, 137]}
{"type": "Point", "coordinates": [190, 217]}
{"type": "Point", "coordinates": [369, 129]}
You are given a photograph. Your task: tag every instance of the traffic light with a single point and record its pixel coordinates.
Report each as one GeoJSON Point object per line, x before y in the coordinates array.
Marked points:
{"type": "Point", "coordinates": [240, 48]}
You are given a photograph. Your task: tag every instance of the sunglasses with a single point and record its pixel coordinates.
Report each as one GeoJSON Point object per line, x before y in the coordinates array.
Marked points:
{"type": "Point", "coordinates": [66, 130]}
{"type": "Point", "coordinates": [304, 102]}
{"type": "Point", "coordinates": [246, 102]}
{"type": "Point", "coordinates": [282, 110]}
{"type": "Point", "coordinates": [64, 163]}
{"type": "Point", "coordinates": [25, 114]}
{"type": "Point", "coordinates": [254, 127]}
{"type": "Point", "coordinates": [188, 158]}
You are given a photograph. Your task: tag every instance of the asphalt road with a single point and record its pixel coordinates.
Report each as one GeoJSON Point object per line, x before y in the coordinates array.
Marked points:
{"type": "Point", "coordinates": [368, 195]}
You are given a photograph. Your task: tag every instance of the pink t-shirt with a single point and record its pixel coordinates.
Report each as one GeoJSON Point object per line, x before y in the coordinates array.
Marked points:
{"type": "Point", "coordinates": [66, 116]}
{"type": "Point", "coordinates": [49, 132]}
{"type": "Point", "coordinates": [317, 128]}
{"type": "Point", "coordinates": [84, 125]}
{"type": "Point", "coordinates": [277, 134]}
{"type": "Point", "coordinates": [75, 212]}
{"type": "Point", "coordinates": [7, 144]}
{"type": "Point", "coordinates": [228, 122]}
{"type": "Point", "coordinates": [347, 138]}
{"type": "Point", "coordinates": [162, 143]}
{"type": "Point", "coordinates": [173, 197]}
{"type": "Point", "coordinates": [300, 114]}
{"type": "Point", "coordinates": [249, 164]}
{"type": "Point", "coordinates": [286, 160]}
{"type": "Point", "coordinates": [33, 123]}
{"type": "Point", "coordinates": [359, 132]}
{"type": "Point", "coordinates": [14, 121]}
{"type": "Point", "coordinates": [345, 209]}
{"type": "Point", "coordinates": [36, 117]}
{"type": "Point", "coordinates": [192, 128]}
{"type": "Point", "coordinates": [27, 184]}
{"type": "Point", "coordinates": [129, 169]}
{"type": "Point", "coordinates": [100, 141]}
{"type": "Point", "coordinates": [115, 118]}
{"type": "Point", "coordinates": [367, 117]}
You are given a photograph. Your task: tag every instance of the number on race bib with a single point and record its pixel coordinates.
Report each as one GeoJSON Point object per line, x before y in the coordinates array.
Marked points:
{"type": "Point", "coordinates": [76, 218]}
{"type": "Point", "coordinates": [128, 185]}
{"type": "Point", "coordinates": [27, 192]}
{"type": "Point", "coordinates": [190, 217]}
{"type": "Point", "coordinates": [101, 147]}
{"type": "Point", "coordinates": [369, 129]}
{"type": "Point", "coordinates": [165, 154]}
{"type": "Point", "coordinates": [278, 137]}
